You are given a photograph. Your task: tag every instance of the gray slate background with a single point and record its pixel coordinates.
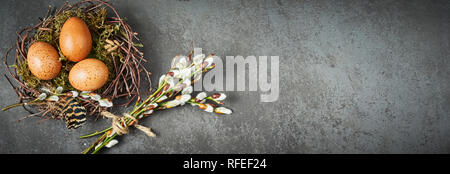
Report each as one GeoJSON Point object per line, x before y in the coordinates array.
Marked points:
{"type": "Point", "coordinates": [355, 77]}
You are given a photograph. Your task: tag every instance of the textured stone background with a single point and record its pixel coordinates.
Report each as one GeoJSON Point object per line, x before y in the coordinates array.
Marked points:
{"type": "Point", "coordinates": [355, 77]}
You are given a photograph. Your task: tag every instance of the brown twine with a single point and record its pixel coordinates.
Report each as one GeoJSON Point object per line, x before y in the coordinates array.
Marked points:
{"type": "Point", "coordinates": [120, 127]}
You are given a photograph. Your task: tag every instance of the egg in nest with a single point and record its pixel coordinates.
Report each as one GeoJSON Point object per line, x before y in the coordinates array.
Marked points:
{"type": "Point", "coordinates": [43, 61]}
{"type": "Point", "coordinates": [88, 75]}
{"type": "Point", "coordinates": [75, 40]}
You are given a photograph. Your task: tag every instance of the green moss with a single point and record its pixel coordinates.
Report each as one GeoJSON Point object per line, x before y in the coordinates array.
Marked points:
{"type": "Point", "coordinates": [29, 79]}
{"type": "Point", "coordinates": [100, 31]}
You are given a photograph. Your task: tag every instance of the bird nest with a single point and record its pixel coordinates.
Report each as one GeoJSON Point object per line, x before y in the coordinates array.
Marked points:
{"type": "Point", "coordinates": [113, 42]}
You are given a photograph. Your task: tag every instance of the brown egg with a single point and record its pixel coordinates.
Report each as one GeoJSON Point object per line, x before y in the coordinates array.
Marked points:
{"type": "Point", "coordinates": [88, 75]}
{"type": "Point", "coordinates": [75, 40]}
{"type": "Point", "coordinates": [43, 61]}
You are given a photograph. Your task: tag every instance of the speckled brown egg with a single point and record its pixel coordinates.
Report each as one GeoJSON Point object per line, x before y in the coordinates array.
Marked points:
{"type": "Point", "coordinates": [75, 39]}
{"type": "Point", "coordinates": [88, 75]}
{"type": "Point", "coordinates": [43, 61]}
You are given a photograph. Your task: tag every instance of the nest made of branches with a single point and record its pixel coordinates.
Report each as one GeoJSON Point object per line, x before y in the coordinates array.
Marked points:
{"type": "Point", "coordinates": [125, 63]}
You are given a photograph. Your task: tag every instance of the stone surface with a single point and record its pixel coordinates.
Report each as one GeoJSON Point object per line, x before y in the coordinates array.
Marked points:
{"type": "Point", "coordinates": [355, 77]}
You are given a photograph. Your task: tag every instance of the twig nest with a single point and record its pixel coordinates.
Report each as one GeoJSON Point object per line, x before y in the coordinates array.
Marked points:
{"type": "Point", "coordinates": [75, 40]}
{"type": "Point", "coordinates": [43, 61]}
{"type": "Point", "coordinates": [88, 75]}
{"type": "Point", "coordinates": [72, 33]}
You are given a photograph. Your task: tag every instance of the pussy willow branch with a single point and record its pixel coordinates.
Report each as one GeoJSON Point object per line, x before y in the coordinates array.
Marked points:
{"type": "Point", "coordinates": [140, 108]}
{"type": "Point", "coordinates": [134, 114]}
